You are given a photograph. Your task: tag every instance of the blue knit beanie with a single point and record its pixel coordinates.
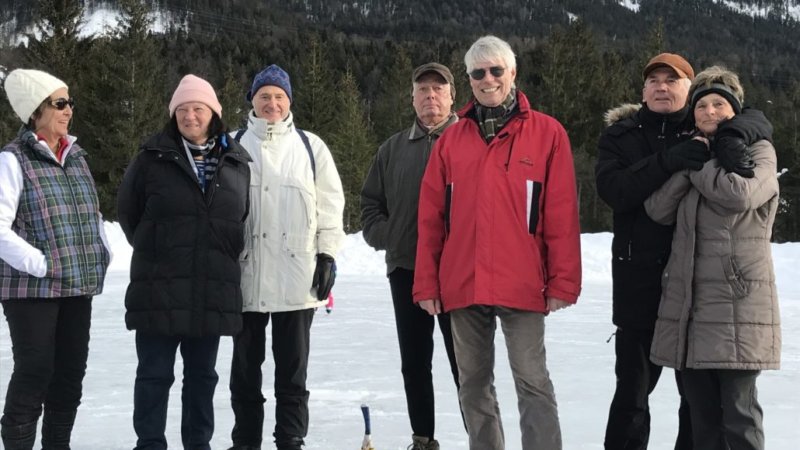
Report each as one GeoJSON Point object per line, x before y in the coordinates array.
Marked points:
{"type": "Point", "coordinates": [271, 76]}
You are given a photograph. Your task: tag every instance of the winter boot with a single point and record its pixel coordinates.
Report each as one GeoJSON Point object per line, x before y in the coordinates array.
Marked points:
{"type": "Point", "coordinates": [245, 447]}
{"type": "Point", "coordinates": [423, 443]}
{"type": "Point", "coordinates": [57, 429]}
{"type": "Point", "coordinates": [291, 443]}
{"type": "Point", "coordinates": [18, 437]}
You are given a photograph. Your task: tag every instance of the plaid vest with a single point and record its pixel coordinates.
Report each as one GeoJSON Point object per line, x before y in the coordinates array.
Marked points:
{"type": "Point", "coordinates": [59, 214]}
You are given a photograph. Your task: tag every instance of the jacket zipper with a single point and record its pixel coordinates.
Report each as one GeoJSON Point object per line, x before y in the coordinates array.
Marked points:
{"type": "Point", "coordinates": [84, 262]}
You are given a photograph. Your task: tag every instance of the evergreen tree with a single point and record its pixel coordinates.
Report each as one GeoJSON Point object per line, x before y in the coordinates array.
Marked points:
{"type": "Point", "coordinates": [460, 77]}
{"type": "Point", "coordinates": [314, 93]}
{"type": "Point", "coordinates": [577, 94]}
{"type": "Point", "coordinates": [352, 145]}
{"type": "Point", "coordinates": [55, 46]}
{"type": "Point", "coordinates": [393, 110]}
{"type": "Point", "coordinates": [232, 97]}
{"type": "Point", "coordinates": [126, 102]}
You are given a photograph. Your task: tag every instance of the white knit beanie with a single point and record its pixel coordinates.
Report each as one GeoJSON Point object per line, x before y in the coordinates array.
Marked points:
{"type": "Point", "coordinates": [27, 89]}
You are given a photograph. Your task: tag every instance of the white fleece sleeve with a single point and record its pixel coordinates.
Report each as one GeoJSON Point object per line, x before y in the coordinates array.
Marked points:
{"type": "Point", "coordinates": [13, 249]}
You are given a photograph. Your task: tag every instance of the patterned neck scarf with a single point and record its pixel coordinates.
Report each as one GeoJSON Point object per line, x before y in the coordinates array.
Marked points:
{"type": "Point", "coordinates": [205, 159]}
{"type": "Point", "coordinates": [491, 120]}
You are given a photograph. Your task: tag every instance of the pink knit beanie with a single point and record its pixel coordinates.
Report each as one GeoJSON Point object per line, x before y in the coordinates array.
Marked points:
{"type": "Point", "coordinates": [194, 89]}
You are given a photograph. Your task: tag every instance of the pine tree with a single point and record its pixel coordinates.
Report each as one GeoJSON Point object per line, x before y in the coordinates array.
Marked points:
{"type": "Point", "coordinates": [577, 95]}
{"type": "Point", "coordinates": [461, 79]}
{"type": "Point", "coordinates": [126, 102]}
{"type": "Point", "coordinates": [55, 46]}
{"type": "Point", "coordinates": [393, 110]}
{"type": "Point", "coordinates": [352, 145]}
{"type": "Point", "coordinates": [232, 97]}
{"type": "Point", "coordinates": [314, 90]}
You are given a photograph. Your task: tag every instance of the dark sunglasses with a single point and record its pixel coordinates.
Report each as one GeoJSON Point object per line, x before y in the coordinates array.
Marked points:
{"type": "Point", "coordinates": [496, 71]}
{"type": "Point", "coordinates": [61, 103]}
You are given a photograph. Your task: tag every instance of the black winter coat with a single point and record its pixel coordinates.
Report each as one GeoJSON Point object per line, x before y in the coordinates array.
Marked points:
{"type": "Point", "coordinates": [185, 276]}
{"type": "Point", "coordinates": [627, 172]}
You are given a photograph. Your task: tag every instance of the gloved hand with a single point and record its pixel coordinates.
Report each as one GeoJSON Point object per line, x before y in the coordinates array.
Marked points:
{"type": "Point", "coordinates": [324, 276]}
{"type": "Point", "coordinates": [691, 155]}
{"type": "Point", "coordinates": [734, 156]}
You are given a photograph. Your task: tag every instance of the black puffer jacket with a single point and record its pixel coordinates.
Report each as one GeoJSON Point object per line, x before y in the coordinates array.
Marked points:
{"type": "Point", "coordinates": [627, 172]}
{"type": "Point", "coordinates": [185, 277]}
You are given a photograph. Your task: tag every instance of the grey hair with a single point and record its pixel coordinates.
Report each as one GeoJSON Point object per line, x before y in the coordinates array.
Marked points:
{"type": "Point", "coordinates": [489, 48]}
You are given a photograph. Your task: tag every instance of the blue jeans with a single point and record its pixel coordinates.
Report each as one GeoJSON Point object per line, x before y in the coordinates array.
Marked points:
{"type": "Point", "coordinates": [154, 377]}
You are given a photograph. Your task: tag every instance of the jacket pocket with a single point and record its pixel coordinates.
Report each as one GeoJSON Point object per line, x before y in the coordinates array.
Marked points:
{"type": "Point", "coordinates": [299, 218]}
{"type": "Point", "coordinates": [734, 277]}
{"type": "Point", "coordinates": [533, 190]}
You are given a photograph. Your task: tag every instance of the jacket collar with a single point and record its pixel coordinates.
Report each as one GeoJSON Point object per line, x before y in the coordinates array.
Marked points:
{"type": "Point", "coordinates": [649, 117]}
{"type": "Point", "coordinates": [418, 131]}
{"type": "Point", "coordinates": [29, 138]}
{"type": "Point", "coordinates": [269, 131]}
{"type": "Point", "coordinates": [167, 142]}
{"type": "Point", "coordinates": [523, 107]}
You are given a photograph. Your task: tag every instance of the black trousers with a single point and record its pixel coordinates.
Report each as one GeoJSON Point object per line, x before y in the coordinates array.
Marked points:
{"type": "Point", "coordinates": [290, 349]}
{"type": "Point", "coordinates": [415, 335]}
{"type": "Point", "coordinates": [628, 425]}
{"type": "Point", "coordinates": [50, 344]}
{"type": "Point", "coordinates": [154, 377]}
{"type": "Point", "coordinates": [726, 414]}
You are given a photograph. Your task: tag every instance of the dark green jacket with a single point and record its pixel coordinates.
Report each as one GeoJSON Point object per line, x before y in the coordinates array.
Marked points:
{"type": "Point", "coordinates": [390, 195]}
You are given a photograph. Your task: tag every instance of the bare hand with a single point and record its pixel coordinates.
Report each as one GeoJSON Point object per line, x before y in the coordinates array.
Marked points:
{"type": "Point", "coordinates": [432, 306]}
{"type": "Point", "coordinates": [554, 304]}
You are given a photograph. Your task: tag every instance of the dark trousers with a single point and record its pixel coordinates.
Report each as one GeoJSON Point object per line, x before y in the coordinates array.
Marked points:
{"type": "Point", "coordinates": [291, 342]}
{"type": "Point", "coordinates": [726, 414]}
{"type": "Point", "coordinates": [50, 344]}
{"type": "Point", "coordinates": [628, 425]}
{"type": "Point", "coordinates": [415, 335]}
{"type": "Point", "coordinates": [154, 377]}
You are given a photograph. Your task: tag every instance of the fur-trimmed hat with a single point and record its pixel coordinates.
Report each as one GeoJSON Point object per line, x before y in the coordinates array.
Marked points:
{"type": "Point", "coordinates": [27, 89]}
{"type": "Point", "coordinates": [718, 80]}
{"type": "Point", "coordinates": [273, 75]}
{"type": "Point", "coordinates": [194, 89]}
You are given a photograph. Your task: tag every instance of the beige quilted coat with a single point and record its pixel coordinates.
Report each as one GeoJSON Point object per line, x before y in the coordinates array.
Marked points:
{"type": "Point", "coordinates": [719, 306]}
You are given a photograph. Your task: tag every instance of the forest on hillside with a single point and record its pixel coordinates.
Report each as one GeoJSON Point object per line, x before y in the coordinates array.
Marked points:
{"type": "Point", "coordinates": [351, 70]}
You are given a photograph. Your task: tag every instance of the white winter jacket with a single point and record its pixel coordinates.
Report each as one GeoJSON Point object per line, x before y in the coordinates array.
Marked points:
{"type": "Point", "coordinates": [292, 216]}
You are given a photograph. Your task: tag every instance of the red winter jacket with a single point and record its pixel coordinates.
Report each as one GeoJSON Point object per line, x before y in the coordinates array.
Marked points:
{"type": "Point", "coordinates": [498, 222]}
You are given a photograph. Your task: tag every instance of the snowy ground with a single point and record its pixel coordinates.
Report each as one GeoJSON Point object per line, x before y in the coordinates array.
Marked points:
{"type": "Point", "coordinates": [354, 360]}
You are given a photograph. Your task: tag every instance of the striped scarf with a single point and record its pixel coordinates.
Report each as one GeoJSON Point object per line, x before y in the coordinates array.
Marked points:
{"type": "Point", "coordinates": [206, 160]}
{"type": "Point", "coordinates": [491, 120]}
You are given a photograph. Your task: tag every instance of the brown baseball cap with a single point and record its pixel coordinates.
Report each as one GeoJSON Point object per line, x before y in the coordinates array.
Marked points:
{"type": "Point", "coordinates": [435, 68]}
{"type": "Point", "coordinates": [673, 61]}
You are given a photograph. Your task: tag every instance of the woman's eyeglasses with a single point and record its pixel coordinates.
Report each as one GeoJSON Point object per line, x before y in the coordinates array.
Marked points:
{"type": "Point", "coordinates": [61, 103]}
{"type": "Point", "coordinates": [479, 74]}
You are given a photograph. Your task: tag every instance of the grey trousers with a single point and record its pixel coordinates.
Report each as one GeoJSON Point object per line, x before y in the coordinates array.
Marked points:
{"type": "Point", "coordinates": [473, 337]}
{"type": "Point", "coordinates": [724, 407]}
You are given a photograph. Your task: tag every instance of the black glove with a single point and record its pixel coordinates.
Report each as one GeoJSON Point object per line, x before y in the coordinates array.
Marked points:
{"type": "Point", "coordinates": [751, 125]}
{"type": "Point", "coordinates": [324, 276]}
{"type": "Point", "coordinates": [734, 156]}
{"type": "Point", "coordinates": [691, 155]}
